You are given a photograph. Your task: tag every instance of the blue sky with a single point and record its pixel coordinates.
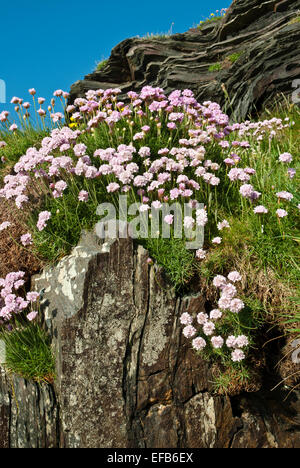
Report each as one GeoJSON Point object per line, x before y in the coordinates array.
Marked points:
{"type": "Point", "coordinates": [51, 44]}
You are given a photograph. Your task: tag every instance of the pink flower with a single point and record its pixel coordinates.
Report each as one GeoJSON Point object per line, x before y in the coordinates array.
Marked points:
{"type": "Point", "coordinates": [219, 281]}
{"type": "Point", "coordinates": [202, 318]}
{"type": "Point", "coordinates": [26, 239]}
{"type": "Point", "coordinates": [83, 196]}
{"type": "Point", "coordinates": [222, 225]}
{"type": "Point", "coordinates": [198, 343]}
{"type": "Point", "coordinates": [217, 240]}
{"type": "Point", "coordinates": [43, 217]}
{"type": "Point", "coordinates": [186, 319]}
{"type": "Point", "coordinates": [281, 213]}
{"type": "Point", "coordinates": [32, 315]}
{"type": "Point", "coordinates": [201, 254]}
{"type": "Point", "coordinates": [32, 91]}
{"type": "Point", "coordinates": [241, 341]}
{"type": "Point", "coordinates": [284, 196]}
{"type": "Point", "coordinates": [237, 355]}
{"type": "Point", "coordinates": [260, 210]}
{"type": "Point", "coordinates": [32, 296]}
{"type": "Point", "coordinates": [169, 219]}
{"type": "Point", "coordinates": [285, 157]}
{"type": "Point", "coordinates": [201, 217]}
{"type": "Point", "coordinates": [189, 331]}
{"type": "Point", "coordinates": [234, 276]}
{"type": "Point", "coordinates": [188, 222]}
{"type": "Point", "coordinates": [208, 328]}
{"type": "Point", "coordinates": [217, 342]}
{"type": "Point", "coordinates": [229, 290]}
{"type": "Point", "coordinates": [215, 314]}
{"type": "Point", "coordinates": [80, 149]}
{"type": "Point", "coordinates": [291, 173]}
{"type": "Point", "coordinates": [4, 225]}
{"type": "Point", "coordinates": [113, 187]}
{"type": "Point", "coordinates": [231, 341]}
{"type": "Point", "coordinates": [236, 305]}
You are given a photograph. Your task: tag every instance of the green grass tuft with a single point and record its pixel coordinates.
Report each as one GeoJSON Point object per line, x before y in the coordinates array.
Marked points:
{"type": "Point", "coordinates": [29, 354]}
{"type": "Point", "coordinates": [215, 67]}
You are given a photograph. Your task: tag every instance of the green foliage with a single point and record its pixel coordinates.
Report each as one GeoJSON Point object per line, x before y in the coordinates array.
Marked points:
{"type": "Point", "coordinates": [295, 20]}
{"type": "Point", "coordinates": [102, 65]}
{"type": "Point", "coordinates": [215, 67]}
{"type": "Point", "coordinates": [234, 57]}
{"type": "Point", "coordinates": [28, 353]}
{"type": "Point", "coordinates": [173, 256]}
{"type": "Point", "coordinates": [213, 19]}
{"type": "Point", "coordinates": [17, 145]}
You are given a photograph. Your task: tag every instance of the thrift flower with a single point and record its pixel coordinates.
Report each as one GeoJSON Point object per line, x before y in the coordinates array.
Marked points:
{"type": "Point", "coordinates": [198, 343]}
{"type": "Point", "coordinates": [189, 331]}
{"type": "Point", "coordinates": [281, 213]}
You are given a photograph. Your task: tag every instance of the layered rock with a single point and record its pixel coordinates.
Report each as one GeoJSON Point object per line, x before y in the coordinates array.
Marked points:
{"type": "Point", "coordinates": [126, 376]}
{"type": "Point", "coordinates": [262, 32]}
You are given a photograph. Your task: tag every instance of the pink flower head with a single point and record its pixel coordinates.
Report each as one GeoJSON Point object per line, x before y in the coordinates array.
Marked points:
{"type": "Point", "coordinates": [26, 239]}
{"type": "Point", "coordinates": [32, 296]}
{"type": "Point", "coordinates": [284, 196]}
{"type": "Point", "coordinates": [223, 224]}
{"type": "Point", "coordinates": [281, 213]}
{"type": "Point", "coordinates": [169, 219]}
{"type": "Point", "coordinates": [217, 342]}
{"type": "Point", "coordinates": [186, 319]}
{"type": "Point", "coordinates": [260, 210]}
{"type": "Point", "coordinates": [113, 187]}
{"type": "Point", "coordinates": [202, 318]}
{"type": "Point", "coordinates": [241, 341]}
{"type": "Point", "coordinates": [234, 276]}
{"type": "Point", "coordinates": [285, 158]}
{"type": "Point", "coordinates": [4, 225]}
{"type": "Point", "coordinates": [237, 355]}
{"type": "Point", "coordinates": [219, 281]}
{"type": "Point", "coordinates": [201, 254]}
{"type": "Point", "coordinates": [215, 314]}
{"type": "Point", "coordinates": [236, 305]}
{"type": "Point", "coordinates": [198, 343]}
{"type": "Point", "coordinates": [208, 328]}
{"type": "Point", "coordinates": [43, 217]}
{"type": "Point", "coordinates": [83, 196]}
{"type": "Point", "coordinates": [189, 331]}
{"type": "Point", "coordinates": [32, 315]}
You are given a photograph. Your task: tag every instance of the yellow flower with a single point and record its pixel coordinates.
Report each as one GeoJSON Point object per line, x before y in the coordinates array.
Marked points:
{"type": "Point", "coordinates": [73, 125]}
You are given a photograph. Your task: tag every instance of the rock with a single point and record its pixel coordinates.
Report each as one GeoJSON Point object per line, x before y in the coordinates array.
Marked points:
{"type": "Point", "coordinates": [29, 414]}
{"type": "Point", "coordinates": [269, 63]}
{"type": "Point", "coordinates": [126, 376]}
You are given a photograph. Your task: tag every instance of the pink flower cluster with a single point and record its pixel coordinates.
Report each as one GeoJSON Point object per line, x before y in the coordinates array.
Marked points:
{"type": "Point", "coordinates": [206, 331]}
{"type": "Point", "coordinates": [10, 303]}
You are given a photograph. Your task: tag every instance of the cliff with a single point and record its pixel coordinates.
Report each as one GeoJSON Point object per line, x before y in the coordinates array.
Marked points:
{"type": "Point", "coordinates": [257, 47]}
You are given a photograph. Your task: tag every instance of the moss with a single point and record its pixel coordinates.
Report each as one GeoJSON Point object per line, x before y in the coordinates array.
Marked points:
{"type": "Point", "coordinates": [215, 67]}
{"type": "Point", "coordinates": [102, 65]}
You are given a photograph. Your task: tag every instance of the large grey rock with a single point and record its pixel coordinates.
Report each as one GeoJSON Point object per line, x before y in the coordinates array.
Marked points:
{"type": "Point", "coordinates": [262, 30]}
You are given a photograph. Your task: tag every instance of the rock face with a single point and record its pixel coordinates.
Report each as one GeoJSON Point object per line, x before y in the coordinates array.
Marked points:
{"type": "Point", "coordinates": [126, 377]}
{"type": "Point", "coordinates": [262, 32]}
